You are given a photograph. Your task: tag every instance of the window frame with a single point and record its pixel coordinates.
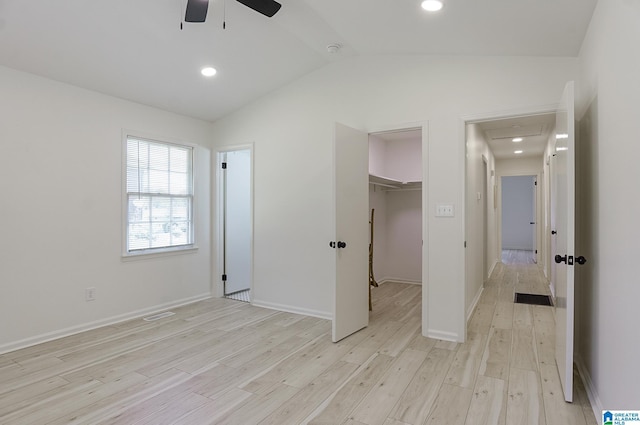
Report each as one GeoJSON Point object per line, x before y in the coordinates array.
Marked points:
{"type": "Point", "coordinates": [159, 251]}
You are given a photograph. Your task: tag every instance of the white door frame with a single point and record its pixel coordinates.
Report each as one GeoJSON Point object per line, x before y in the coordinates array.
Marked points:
{"type": "Point", "coordinates": [424, 128]}
{"type": "Point", "coordinates": [217, 289]}
{"type": "Point", "coordinates": [537, 206]}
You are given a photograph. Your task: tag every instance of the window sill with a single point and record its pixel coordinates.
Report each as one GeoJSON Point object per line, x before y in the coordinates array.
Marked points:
{"type": "Point", "coordinates": [158, 253]}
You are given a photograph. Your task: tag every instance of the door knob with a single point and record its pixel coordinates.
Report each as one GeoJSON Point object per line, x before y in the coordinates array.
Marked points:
{"type": "Point", "coordinates": [581, 260]}
{"type": "Point", "coordinates": [553, 232]}
{"type": "Point", "coordinates": [342, 244]}
{"type": "Point", "coordinates": [560, 259]}
{"type": "Point", "coordinates": [332, 244]}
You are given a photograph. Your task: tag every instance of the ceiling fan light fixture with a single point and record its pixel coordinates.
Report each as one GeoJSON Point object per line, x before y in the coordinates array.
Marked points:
{"type": "Point", "coordinates": [208, 71]}
{"type": "Point", "coordinates": [432, 5]}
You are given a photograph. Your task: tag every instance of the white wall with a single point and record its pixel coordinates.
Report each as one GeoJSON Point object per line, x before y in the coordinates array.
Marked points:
{"type": "Point", "coordinates": [517, 212]}
{"type": "Point", "coordinates": [377, 156]}
{"type": "Point", "coordinates": [404, 236]}
{"type": "Point", "coordinates": [293, 131]}
{"type": "Point", "coordinates": [378, 201]}
{"type": "Point", "coordinates": [608, 207]}
{"type": "Point", "coordinates": [404, 160]}
{"type": "Point", "coordinates": [477, 152]}
{"type": "Point", "coordinates": [520, 167]}
{"type": "Point", "coordinates": [61, 217]}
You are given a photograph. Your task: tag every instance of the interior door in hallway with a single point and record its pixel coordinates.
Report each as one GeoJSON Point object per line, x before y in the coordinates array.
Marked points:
{"type": "Point", "coordinates": [351, 243]}
{"type": "Point", "coordinates": [237, 227]}
{"type": "Point", "coordinates": [562, 224]}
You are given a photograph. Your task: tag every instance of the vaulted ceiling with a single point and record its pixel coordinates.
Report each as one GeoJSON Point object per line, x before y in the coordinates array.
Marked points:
{"type": "Point", "coordinates": [135, 49]}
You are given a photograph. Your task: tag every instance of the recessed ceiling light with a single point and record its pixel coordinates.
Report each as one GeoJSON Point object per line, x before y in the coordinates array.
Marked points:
{"type": "Point", "coordinates": [562, 148]}
{"type": "Point", "coordinates": [562, 136]}
{"type": "Point", "coordinates": [517, 139]}
{"type": "Point", "coordinates": [432, 5]}
{"type": "Point", "coordinates": [517, 152]}
{"type": "Point", "coordinates": [208, 71]}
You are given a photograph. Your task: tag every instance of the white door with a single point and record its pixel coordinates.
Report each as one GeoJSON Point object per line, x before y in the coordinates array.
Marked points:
{"type": "Point", "coordinates": [534, 222]}
{"type": "Point", "coordinates": [562, 223]}
{"type": "Point", "coordinates": [237, 228]}
{"type": "Point", "coordinates": [351, 186]}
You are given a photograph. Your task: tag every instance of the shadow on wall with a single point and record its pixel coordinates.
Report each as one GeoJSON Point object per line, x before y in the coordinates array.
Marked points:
{"type": "Point", "coordinates": [588, 312]}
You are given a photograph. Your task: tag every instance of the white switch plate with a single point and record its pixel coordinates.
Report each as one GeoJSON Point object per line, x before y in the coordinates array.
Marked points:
{"type": "Point", "coordinates": [444, 210]}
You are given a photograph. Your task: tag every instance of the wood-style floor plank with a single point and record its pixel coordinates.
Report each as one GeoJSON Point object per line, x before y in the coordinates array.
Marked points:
{"type": "Point", "coordinates": [338, 406]}
{"type": "Point", "coordinates": [417, 400]}
{"type": "Point", "coordinates": [221, 361]}
{"type": "Point", "coordinates": [524, 403]}
{"type": "Point", "coordinates": [451, 406]}
{"type": "Point", "coordinates": [488, 402]}
{"type": "Point", "coordinates": [377, 405]}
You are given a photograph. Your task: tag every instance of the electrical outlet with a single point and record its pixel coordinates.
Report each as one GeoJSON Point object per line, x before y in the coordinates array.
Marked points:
{"type": "Point", "coordinates": [90, 294]}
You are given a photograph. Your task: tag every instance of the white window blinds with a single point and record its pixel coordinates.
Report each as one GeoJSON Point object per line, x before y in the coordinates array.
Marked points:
{"type": "Point", "coordinates": [159, 195]}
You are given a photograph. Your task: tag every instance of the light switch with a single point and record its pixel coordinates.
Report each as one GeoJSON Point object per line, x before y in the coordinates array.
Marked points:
{"type": "Point", "coordinates": [444, 210]}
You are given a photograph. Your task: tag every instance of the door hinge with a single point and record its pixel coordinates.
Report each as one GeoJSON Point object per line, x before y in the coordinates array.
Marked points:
{"type": "Point", "coordinates": [224, 277]}
{"type": "Point", "coordinates": [224, 165]}
{"type": "Point", "coordinates": [535, 183]}
{"type": "Point", "coordinates": [465, 244]}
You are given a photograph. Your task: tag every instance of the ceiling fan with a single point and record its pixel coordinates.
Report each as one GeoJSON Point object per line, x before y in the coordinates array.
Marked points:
{"type": "Point", "coordinates": [197, 9]}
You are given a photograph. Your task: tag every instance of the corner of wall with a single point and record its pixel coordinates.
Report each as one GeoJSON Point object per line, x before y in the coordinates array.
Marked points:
{"type": "Point", "coordinates": [592, 393]}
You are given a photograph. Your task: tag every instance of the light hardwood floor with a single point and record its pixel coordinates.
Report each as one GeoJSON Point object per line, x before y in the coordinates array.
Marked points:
{"type": "Point", "coordinates": [517, 256]}
{"type": "Point", "coordinates": [226, 362]}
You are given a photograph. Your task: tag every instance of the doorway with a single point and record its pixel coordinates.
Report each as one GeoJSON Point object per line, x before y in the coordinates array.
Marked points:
{"type": "Point", "coordinates": [351, 151]}
{"type": "Point", "coordinates": [518, 219]}
{"type": "Point", "coordinates": [235, 242]}
{"type": "Point", "coordinates": [395, 197]}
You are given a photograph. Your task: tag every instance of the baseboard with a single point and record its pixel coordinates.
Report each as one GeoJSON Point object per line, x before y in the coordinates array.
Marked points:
{"type": "Point", "coordinates": [474, 303]}
{"type": "Point", "coordinates": [398, 280]}
{"type": "Point", "coordinates": [446, 336]}
{"type": "Point", "coordinates": [292, 309]}
{"type": "Point", "coordinates": [493, 266]}
{"type": "Point", "coordinates": [50, 336]}
{"type": "Point", "coordinates": [594, 399]}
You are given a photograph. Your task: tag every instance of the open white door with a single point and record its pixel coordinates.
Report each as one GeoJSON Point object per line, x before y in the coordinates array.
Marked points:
{"type": "Point", "coordinates": [563, 235]}
{"type": "Point", "coordinates": [534, 220]}
{"type": "Point", "coordinates": [351, 183]}
{"type": "Point", "coordinates": [237, 227]}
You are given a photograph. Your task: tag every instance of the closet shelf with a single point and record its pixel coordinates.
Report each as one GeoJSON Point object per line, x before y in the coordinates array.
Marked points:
{"type": "Point", "coordinates": [387, 183]}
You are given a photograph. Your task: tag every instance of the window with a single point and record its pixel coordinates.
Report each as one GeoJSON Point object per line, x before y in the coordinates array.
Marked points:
{"type": "Point", "coordinates": [159, 200]}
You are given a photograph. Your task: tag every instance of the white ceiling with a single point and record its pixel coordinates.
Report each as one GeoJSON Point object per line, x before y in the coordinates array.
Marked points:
{"type": "Point", "coordinates": [534, 131]}
{"type": "Point", "coordinates": [134, 49]}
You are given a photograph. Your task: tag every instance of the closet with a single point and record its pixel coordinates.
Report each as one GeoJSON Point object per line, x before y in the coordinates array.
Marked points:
{"type": "Point", "coordinates": [395, 193]}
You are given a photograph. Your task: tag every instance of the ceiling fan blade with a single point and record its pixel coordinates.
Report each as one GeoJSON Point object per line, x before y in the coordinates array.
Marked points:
{"type": "Point", "coordinates": [196, 10]}
{"type": "Point", "coordinates": [266, 7]}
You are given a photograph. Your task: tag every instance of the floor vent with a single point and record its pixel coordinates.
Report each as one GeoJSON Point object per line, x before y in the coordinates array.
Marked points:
{"type": "Point", "coordinates": [535, 299]}
{"type": "Point", "coordinates": [158, 316]}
